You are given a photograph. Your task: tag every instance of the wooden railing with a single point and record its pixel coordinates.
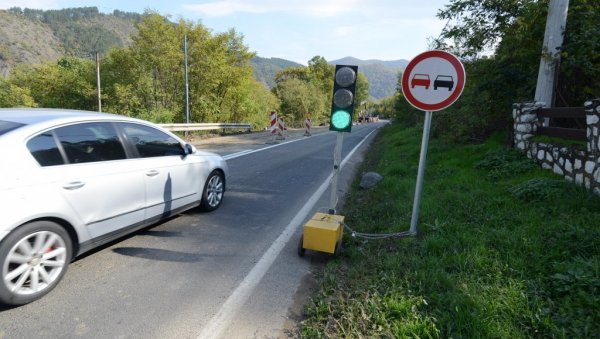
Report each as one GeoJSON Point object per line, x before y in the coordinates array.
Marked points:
{"type": "Point", "coordinates": [561, 132]}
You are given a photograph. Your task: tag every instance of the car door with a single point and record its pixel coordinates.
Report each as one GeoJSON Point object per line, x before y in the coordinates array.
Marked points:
{"type": "Point", "coordinates": [173, 179]}
{"type": "Point", "coordinates": [101, 185]}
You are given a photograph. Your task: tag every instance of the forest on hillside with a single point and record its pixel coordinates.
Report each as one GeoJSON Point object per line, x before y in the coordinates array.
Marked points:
{"type": "Point", "coordinates": [145, 78]}
{"type": "Point", "coordinates": [83, 31]}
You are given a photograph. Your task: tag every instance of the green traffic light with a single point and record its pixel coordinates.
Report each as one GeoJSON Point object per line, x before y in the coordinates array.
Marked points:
{"type": "Point", "coordinates": [340, 120]}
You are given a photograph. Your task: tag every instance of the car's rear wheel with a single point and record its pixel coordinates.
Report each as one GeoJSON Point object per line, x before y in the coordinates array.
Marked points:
{"type": "Point", "coordinates": [214, 189]}
{"type": "Point", "coordinates": [34, 259]}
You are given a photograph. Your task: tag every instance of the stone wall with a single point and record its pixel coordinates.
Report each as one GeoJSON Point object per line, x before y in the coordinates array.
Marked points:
{"type": "Point", "coordinates": [581, 166]}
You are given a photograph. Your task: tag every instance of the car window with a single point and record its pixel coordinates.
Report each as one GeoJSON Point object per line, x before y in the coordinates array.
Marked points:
{"type": "Point", "coordinates": [151, 142]}
{"type": "Point", "coordinates": [7, 126]}
{"type": "Point", "coordinates": [44, 149]}
{"type": "Point", "coordinates": [90, 142]}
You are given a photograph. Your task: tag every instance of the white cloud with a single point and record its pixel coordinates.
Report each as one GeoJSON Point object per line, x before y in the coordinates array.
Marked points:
{"type": "Point", "coordinates": [316, 8]}
{"type": "Point", "coordinates": [343, 31]}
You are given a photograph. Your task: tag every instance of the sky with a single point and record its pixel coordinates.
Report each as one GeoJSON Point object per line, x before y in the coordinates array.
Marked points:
{"type": "Point", "coordinates": [296, 30]}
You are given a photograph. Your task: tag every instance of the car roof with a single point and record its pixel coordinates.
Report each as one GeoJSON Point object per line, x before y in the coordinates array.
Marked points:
{"type": "Point", "coordinates": [30, 116]}
{"type": "Point", "coordinates": [32, 120]}
{"type": "Point", "coordinates": [55, 116]}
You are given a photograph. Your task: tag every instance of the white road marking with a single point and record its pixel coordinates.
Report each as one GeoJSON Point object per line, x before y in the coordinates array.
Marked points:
{"type": "Point", "coordinates": [246, 152]}
{"type": "Point", "coordinates": [221, 320]}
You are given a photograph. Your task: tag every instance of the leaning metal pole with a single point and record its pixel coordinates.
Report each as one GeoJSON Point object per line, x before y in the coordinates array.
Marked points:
{"type": "Point", "coordinates": [421, 173]}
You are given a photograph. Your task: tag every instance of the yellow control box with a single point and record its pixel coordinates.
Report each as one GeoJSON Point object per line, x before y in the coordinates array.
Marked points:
{"type": "Point", "coordinates": [322, 233]}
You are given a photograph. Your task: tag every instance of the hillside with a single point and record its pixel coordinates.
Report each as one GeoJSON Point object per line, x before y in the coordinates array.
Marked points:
{"type": "Point", "coordinates": [266, 68]}
{"type": "Point", "coordinates": [35, 36]}
{"type": "Point", "coordinates": [395, 64]}
{"type": "Point", "coordinates": [382, 75]}
{"type": "Point", "coordinates": [29, 36]}
{"type": "Point", "coordinates": [23, 41]}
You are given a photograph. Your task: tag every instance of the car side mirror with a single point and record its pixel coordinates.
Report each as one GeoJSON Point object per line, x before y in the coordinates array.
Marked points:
{"type": "Point", "coordinates": [189, 149]}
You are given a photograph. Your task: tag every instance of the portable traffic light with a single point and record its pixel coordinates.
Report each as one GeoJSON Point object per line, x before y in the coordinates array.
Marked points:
{"type": "Point", "coordinates": [342, 103]}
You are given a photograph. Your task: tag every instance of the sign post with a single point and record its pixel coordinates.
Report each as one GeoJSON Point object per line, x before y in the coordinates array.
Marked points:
{"type": "Point", "coordinates": [432, 81]}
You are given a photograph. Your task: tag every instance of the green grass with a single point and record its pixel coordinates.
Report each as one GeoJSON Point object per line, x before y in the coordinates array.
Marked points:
{"type": "Point", "coordinates": [504, 250]}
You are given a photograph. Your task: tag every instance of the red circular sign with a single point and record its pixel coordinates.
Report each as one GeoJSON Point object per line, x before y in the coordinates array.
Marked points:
{"type": "Point", "coordinates": [433, 80]}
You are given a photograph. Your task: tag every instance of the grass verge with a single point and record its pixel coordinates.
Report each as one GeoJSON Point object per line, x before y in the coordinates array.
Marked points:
{"type": "Point", "coordinates": [504, 250]}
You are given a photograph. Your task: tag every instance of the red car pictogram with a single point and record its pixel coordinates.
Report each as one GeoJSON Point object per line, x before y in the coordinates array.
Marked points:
{"type": "Point", "coordinates": [420, 80]}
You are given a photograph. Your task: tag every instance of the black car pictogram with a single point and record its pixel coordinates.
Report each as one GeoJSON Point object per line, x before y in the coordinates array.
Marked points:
{"type": "Point", "coordinates": [443, 81]}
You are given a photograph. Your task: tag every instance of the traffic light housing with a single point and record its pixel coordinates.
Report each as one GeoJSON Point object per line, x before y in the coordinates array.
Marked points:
{"type": "Point", "coordinates": [342, 102]}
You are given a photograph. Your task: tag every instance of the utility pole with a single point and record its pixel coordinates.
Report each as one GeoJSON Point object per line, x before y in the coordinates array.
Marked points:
{"type": "Point", "coordinates": [98, 81]}
{"type": "Point", "coordinates": [556, 23]}
{"type": "Point", "coordinates": [187, 88]}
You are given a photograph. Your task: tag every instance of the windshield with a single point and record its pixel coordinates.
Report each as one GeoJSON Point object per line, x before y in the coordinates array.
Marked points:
{"type": "Point", "coordinates": [7, 126]}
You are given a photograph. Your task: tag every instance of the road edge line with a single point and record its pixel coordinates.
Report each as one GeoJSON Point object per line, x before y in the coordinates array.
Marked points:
{"type": "Point", "coordinates": [240, 295]}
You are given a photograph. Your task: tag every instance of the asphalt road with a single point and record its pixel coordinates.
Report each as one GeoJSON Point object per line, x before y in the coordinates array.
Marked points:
{"type": "Point", "coordinates": [231, 273]}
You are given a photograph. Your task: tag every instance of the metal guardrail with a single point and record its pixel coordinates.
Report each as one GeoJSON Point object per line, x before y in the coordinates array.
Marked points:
{"type": "Point", "coordinates": [204, 126]}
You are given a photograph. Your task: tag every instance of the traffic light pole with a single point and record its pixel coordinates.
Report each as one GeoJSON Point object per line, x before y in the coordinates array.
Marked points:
{"type": "Point", "coordinates": [337, 156]}
{"type": "Point", "coordinates": [421, 173]}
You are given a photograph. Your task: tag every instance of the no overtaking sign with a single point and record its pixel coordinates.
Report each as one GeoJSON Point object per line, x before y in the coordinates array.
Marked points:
{"type": "Point", "coordinates": [433, 80]}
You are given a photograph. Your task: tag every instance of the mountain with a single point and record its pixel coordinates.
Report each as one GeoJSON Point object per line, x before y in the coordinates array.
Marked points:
{"type": "Point", "coordinates": [397, 64]}
{"type": "Point", "coordinates": [29, 36]}
{"type": "Point", "coordinates": [382, 75]}
{"type": "Point", "coordinates": [266, 68]}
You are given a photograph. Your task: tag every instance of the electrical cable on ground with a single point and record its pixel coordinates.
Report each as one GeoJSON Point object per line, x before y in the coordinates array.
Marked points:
{"type": "Point", "coordinates": [371, 236]}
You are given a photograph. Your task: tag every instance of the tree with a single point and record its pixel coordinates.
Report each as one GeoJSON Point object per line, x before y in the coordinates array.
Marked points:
{"type": "Point", "coordinates": [362, 90]}
{"type": "Point", "coordinates": [474, 25]}
{"type": "Point", "coordinates": [157, 49]}
{"type": "Point", "coordinates": [321, 74]}
{"type": "Point", "coordinates": [221, 64]}
{"type": "Point", "coordinates": [67, 83]}
{"type": "Point", "coordinates": [404, 113]}
{"type": "Point", "coordinates": [385, 107]}
{"type": "Point", "coordinates": [515, 31]}
{"type": "Point", "coordinates": [12, 95]}
{"type": "Point", "coordinates": [315, 81]}
{"type": "Point", "coordinates": [148, 80]}
{"type": "Point", "coordinates": [300, 73]}
{"type": "Point", "coordinates": [251, 103]}
{"type": "Point", "coordinates": [299, 100]}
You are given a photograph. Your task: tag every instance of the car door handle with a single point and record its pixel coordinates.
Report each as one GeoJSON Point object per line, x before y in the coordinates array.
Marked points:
{"type": "Point", "coordinates": [74, 185]}
{"type": "Point", "coordinates": [152, 173]}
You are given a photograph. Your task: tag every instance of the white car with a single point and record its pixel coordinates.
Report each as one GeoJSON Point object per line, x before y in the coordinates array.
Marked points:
{"type": "Point", "coordinates": [73, 180]}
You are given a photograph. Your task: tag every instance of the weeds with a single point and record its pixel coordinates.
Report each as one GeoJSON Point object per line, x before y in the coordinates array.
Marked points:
{"type": "Point", "coordinates": [502, 163]}
{"type": "Point", "coordinates": [504, 250]}
{"type": "Point", "coordinates": [538, 189]}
